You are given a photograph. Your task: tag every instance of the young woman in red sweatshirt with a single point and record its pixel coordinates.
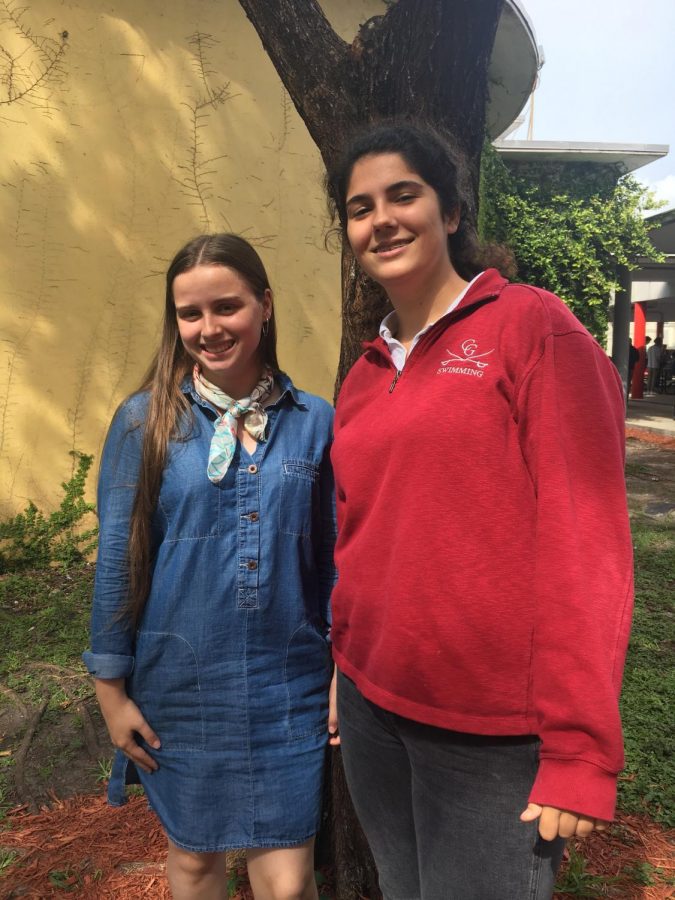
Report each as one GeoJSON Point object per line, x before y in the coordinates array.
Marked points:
{"type": "Point", "coordinates": [482, 609]}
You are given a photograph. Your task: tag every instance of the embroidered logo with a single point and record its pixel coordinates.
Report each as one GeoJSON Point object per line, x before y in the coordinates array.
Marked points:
{"type": "Point", "coordinates": [469, 363]}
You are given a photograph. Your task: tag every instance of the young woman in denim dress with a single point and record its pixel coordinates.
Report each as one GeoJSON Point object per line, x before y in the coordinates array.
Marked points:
{"type": "Point", "coordinates": [481, 612]}
{"type": "Point", "coordinates": [210, 614]}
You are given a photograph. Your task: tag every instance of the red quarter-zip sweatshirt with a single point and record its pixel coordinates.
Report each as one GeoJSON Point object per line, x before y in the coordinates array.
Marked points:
{"type": "Point", "coordinates": [484, 554]}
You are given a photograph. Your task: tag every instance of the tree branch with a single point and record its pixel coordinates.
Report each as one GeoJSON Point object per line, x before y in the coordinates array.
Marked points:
{"type": "Point", "coordinates": [313, 63]}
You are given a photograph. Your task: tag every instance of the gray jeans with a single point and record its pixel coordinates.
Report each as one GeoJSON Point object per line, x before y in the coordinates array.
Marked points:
{"type": "Point", "coordinates": [440, 809]}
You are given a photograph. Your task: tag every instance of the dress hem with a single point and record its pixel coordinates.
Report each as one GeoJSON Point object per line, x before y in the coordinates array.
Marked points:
{"type": "Point", "coordinates": [221, 848]}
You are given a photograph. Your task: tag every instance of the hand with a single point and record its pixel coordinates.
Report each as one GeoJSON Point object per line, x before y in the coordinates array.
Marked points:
{"type": "Point", "coordinates": [123, 718]}
{"type": "Point", "coordinates": [333, 733]}
{"type": "Point", "coordinates": [554, 822]}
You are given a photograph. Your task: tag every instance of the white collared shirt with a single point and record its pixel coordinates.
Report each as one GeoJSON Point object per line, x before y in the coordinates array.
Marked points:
{"type": "Point", "coordinates": [398, 352]}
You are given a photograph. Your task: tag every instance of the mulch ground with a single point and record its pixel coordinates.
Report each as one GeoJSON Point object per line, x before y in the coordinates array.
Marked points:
{"type": "Point", "coordinates": [96, 852]}
{"type": "Point", "coordinates": [651, 437]}
{"type": "Point", "coordinates": [86, 848]}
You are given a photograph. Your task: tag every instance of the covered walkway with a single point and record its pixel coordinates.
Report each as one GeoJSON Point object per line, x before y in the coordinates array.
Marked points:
{"type": "Point", "coordinates": [655, 414]}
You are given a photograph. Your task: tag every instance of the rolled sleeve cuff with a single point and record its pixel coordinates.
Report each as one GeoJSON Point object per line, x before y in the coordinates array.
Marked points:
{"type": "Point", "coordinates": [575, 785]}
{"type": "Point", "coordinates": [108, 665]}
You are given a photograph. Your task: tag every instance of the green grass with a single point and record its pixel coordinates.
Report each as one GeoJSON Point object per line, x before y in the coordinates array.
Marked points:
{"type": "Point", "coordinates": [44, 617]}
{"type": "Point", "coordinates": [646, 874]}
{"type": "Point", "coordinates": [575, 880]}
{"type": "Point", "coordinates": [7, 858]}
{"type": "Point", "coordinates": [103, 769]}
{"type": "Point", "coordinates": [648, 782]}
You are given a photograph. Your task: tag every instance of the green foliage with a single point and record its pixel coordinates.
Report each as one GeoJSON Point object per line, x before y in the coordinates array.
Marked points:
{"type": "Point", "coordinates": [576, 881]}
{"type": "Point", "coordinates": [5, 803]}
{"type": "Point", "coordinates": [644, 873]}
{"type": "Point", "coordinates": [44, 622]}
{"type": "Point", "coordinates": [235, 880]}
{"type": "Point", "coordinates": [44, 618]}
{"type": "Point", "coordinates": [33, 540]}
{"type": "Point", "coordinates": [68, 879]}
{"type": "Point", "coordinates": [7, 857]}
{"type": "Point", "coordinates": [648, 782]}
{"type": "Point", "coordinates": [569, 227]}
{"type": "Point", "coordinates": [103, 769]}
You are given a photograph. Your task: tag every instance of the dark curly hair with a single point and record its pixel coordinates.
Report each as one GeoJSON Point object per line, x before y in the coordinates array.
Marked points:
{"type": "Point", "coordinates": [443, 167]}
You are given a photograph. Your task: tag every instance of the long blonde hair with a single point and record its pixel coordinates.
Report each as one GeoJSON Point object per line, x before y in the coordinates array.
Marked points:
{"type": "Point", "coordinates": [168, 406]}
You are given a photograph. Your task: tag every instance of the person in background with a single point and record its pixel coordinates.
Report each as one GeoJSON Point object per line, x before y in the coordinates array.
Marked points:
{"type": "Point", "coordinates": [483, 601]}
{"type": "Point", "coordinates": [654, 361]}
{"type": "Point", "coordinates": [633, 357]}
{"type": "Point", "coordinates": [662, 376]}
{"type": "Point", "coordinates": [210, 615]}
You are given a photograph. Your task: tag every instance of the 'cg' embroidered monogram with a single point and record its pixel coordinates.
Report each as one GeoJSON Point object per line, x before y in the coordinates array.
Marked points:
{"type": "Point", "coordinates": [468, 362]}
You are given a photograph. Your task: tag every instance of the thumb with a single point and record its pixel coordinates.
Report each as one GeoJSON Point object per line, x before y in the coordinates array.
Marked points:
{"type": "Point", "coordinates": [532, 812]}
{"type": "Point", "coordinates": [333, 728]}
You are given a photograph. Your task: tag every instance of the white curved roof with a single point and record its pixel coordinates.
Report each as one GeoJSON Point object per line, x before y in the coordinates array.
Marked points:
{"type": "Point", "coordinates": [627, 157]}
{"type": "Point", "coordinates": [515, 63]}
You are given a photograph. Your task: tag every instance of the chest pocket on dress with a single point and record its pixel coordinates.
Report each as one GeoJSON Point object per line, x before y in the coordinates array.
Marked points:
{"type": "Point", "coordinates": [297, 502]}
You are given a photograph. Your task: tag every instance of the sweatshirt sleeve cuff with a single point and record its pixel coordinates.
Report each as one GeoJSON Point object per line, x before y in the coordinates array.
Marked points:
{"type": "Point", "coordinates": [108, 665]}
{"type": "Point", "coordinates": [578, 786]}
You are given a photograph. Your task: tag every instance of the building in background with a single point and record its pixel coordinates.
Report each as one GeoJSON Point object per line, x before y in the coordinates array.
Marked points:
{"type": "Point", "coordinates": [650, 295]}
{"type": "Point", "coordinates": [653, 284]}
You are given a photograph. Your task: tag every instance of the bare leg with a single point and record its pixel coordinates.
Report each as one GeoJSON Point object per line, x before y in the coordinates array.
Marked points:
{"type": "Point", "coordinates": [196, 876]}
{"type": "Point", "coordinates": [283, 874]}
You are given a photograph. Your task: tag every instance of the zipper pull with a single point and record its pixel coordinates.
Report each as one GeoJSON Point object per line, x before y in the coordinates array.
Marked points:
{"type": "Point", "coordinates": [396, 378]}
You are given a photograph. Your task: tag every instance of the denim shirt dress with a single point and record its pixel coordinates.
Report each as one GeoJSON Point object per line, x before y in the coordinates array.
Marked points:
{"type": "Point", "coordinates": [230, 664]}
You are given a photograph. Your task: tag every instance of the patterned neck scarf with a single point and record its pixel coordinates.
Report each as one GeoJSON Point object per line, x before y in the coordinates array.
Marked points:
{"type": "Point", "coordinates": [224, 440]}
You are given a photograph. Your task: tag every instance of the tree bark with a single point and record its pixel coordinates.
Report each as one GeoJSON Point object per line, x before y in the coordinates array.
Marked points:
{"type": "Point", "coordinates": [314, 65]}
{"type": "Point", "coordinates": [421, 60]}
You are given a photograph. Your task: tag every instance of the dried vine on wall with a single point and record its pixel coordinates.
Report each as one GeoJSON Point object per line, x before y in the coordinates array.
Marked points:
{"type": "Point", "coordinates": [31, 70]}
{"type": "Point", "coordinates": [30, 64]}
{"type": "Point", "coordinates": [197, 169]}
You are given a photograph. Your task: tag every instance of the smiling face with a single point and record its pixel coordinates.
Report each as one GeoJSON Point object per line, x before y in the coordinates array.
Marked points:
{"type": "Point", "coordinates": [395, 225]}
{"type": "Point", "coordinates": [220, 321]}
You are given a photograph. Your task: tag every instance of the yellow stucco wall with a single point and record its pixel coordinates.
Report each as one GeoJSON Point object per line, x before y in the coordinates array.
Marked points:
{"type": "Point", "coordinates": [125, 129]}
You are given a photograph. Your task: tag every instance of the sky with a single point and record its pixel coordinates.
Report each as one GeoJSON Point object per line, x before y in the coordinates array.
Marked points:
{"type": "Point", "coordinates": [608, 76]}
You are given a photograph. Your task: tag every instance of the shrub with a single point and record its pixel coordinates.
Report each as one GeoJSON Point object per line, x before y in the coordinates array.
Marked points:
{"type": "Point", "coordinates": [34, 540]}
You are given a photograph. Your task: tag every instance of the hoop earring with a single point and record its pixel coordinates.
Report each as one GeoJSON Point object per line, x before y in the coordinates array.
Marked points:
{"type": "Point", "coordinates": [265, 327]}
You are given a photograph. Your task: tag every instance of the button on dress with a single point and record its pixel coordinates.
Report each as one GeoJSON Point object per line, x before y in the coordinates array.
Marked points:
{"type": "Point", "coordinates": [230, 665]}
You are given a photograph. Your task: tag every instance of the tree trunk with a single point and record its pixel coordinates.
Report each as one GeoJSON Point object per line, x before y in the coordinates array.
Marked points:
{"type": "Point", "coordinates": [421, 60]}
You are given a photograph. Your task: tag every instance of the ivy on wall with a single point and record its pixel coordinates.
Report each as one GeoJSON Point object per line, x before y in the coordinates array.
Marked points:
{"type": "Point", "coordinates": [570, 226]}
